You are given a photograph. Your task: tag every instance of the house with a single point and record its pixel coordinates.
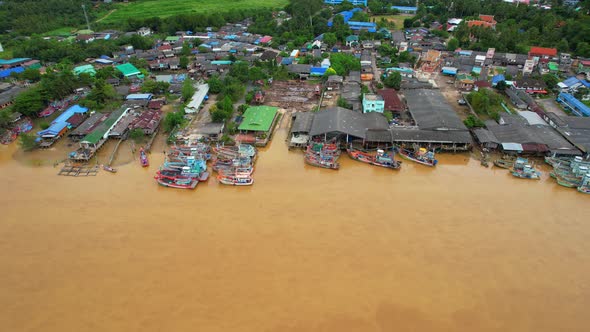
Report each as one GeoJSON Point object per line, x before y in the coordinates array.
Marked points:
{"type": "Point", "coordinates": [300, 128]}
{"type": "Point", "coordinates": [345, 125]}
{"type": "Point", "coordinates": [544, 54]}
{"type": "Point", "coordinates": [373, 103]}
{"type": "Point", "coordinates": [197, 99]}
{"type": "Point", "coordinates": [144, 31]}
{"type": "Point", "coordinates": [477, 85]}
{"type": "Point", "coordinates": [353, 2]}
{"type": "Point", "coordinates": [140, 96]}
{"type": "Point", "coordinates": [352, 40]}
{"type": "Point", "coordinates": [211, 131]}
{"type": "Point", "coordinates": [464, 82]}
{"type": "Point", "coordinates": [584, 67]}
{"type": "Point", "coordinates": [129, 70]}
{"type": "Point", "coordinates": [148, 121]}
{"type": "Point", "coordinates": [391, 100]}
{"type": "Point", "coordinates": [85, 69]}
{"type": "Point", "coordinates": [405, 9]}
{"type": "Point", "coordinates": [85, 38]}
{"type": "Point", "coordinates": [70, 118]}
{"type": "Point", "coordinates": [302, 70]}
{"type": "Point", "coordinates": [431, 61]}
{"type": "Point", "coordinates": [573, 104]}
{"type": "Point", "coordinates": [385, 33]}
{"type": "Point", "coordinates": [570, 85]}
{"type": "Point", "coordinates": [531, 85]}
{"type": "Point", "coordinates": [515, 99]}
{"type": "Point", "coordinates": [90, 143]}
{"type": "Point", "coordinates": [8, 94]}
{"type": "Point", "coordinates": [258, 120]}
{"type": "Point", "coordinates": [351, 92]}
{"type": "Point", "coordinates": [366, 58]}
{"type": "Point", "coordinates": [334, 82]}
{"type": "Point", "coordinates": [486, 21]}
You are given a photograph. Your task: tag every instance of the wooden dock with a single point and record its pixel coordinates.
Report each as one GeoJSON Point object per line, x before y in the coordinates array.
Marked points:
{"type": "Point", "coordinates": [83, 170]}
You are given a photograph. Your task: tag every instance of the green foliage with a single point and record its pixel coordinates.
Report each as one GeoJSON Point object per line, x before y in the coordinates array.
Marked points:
{"type": "Point", "coordinates": [343, 103]}
{"type": "Point", "coordinates": [188, 90]}
{"type": "Point", "coordinates": [27, 141]}
{"type": "Point", "coordinates": [330, 38]}
{"type": "Point", "coordinates": [155, 87]}
{"type": "Point", "coordinates": [215, 84]}
{"type": "Point", "coordinates": [485, 101]}
{"type": "Point", "coordinates": [31, 75]}
{"type": "Point", "coordinates": [138, 42]}
{"type": "Point", "coordinates": [44, 125]}
{"type": "Point", "coordinates": [379, 85]}
{"type": "Point", "coordinates": [232, 128]}
{"type": "Point", "coordinates": [242, 108]}
{"type": "Point", "coordinates": [183, 62]}
{"type": "Point", "coordinates": [408, 23]}
{"type": "Point", "coordinates": [240, 70]}
{"type": "Point", "coordinates": [360, 17]}
{"type": "Point", "coordinates": [249, 97]}
{"type": "Point", "coordinates": [172, 120]}
{"type": "Point", "coordinates": [452, 44]}
{"type": "Point", "coordinates": [364, 89]}
{"type": "Point", "coordinates": [343, 63]}
{"type": "Point", "coordinates": [473, 122]}
{"type": "Point", "coordinates": [387, 50]}
{"type": "Point", "coordinates": [551, 80]}
{"type": "Point", "coordinates": [388, 115]}
{"type": "Point", "coordinates": [107, 72]}
{"type": "Point", "coordinates": [137, 135]}
{"type": "Point", "coordinates": [223, 110]}
{"type": "Point", "coordinates": [393, 80]}
{"type": "Point", "coordinates": [29, 102]}
{"type": "Point", "coordinates": [100, 94]}
{"type": "Point", "coordinates": [329, 72]}
{"type": "Point", "coordinates": [139, 63]}
{"type": "Point", "coordinates": [501, 86]}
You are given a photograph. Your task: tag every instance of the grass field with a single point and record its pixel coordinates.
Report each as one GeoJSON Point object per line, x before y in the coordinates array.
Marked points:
{"type": "Point", "coordinates": [151, 8]}
{"type": "Point", "coordinates": [397, 19]}
{"type": "Point", "coordinates": [65, 31]}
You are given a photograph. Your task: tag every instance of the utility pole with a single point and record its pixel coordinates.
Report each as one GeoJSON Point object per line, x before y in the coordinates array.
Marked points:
{"type": "Point", "coordinates": [86, 16]}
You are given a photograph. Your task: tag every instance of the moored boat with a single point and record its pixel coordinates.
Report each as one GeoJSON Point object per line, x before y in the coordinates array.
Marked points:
{"type": "Point", "coordinates": [381, 159]}
{"type": "Point", "coordinates": [326, 149]}
{"type": "Point", "coordinates": [504, 163]}
{"type": "Point", "coordinates": [422, 156]}
{"type": "Point", "coordinates": [235, 180]}
{"type": "Point", "coordinates": [143, 159]}
{"type": "Point", "coordinates": [319, 161]}
{"type": "Point", "coordinates": [180, 183]}
{"type": "Point", "coordinates": [109, 169]}
{"type": "Point", "coordinates": [585, 185]}
{"type": "Point", "coordinates": [524, 170]}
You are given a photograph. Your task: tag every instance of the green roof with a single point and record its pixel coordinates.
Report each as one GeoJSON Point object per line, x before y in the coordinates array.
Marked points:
{"type": "Point", "coordinates": [88, 69]}
{"type": "Point", "coordinates": [172, 38]}
{"type": "Point", "coordinates": [553, 66]}
{"type": "Point", "coordinates": [352, 38]}
{"type": "Point", "coordinates": [258, 118]}
{"type": "Point", "coordinates": [128, 69]}
{"type": "Point", "coordinates": [98, 133]}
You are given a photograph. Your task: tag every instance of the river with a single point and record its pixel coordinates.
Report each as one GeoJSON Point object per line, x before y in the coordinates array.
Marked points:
{"type": "Point", "coordinates": [456, 248]}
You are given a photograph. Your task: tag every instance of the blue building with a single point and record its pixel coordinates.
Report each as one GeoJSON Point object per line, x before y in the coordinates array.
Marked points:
{"type": "Point", "coordinates": [573, 104]}
{"type": "Point", "coordinates": [354, 2]}
{"type": "Point", "coordinates": [405, 9]}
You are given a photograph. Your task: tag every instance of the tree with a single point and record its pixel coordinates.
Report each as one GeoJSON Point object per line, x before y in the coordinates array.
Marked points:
{"type": "Point", "coordinates": [155, 87]}
{"type": "Point", "coordinates": [343, 63]}
{"type": "Point", "coordinates": [101, 93]}
{"type": "Point", "coordinates": [31, 75]}
{"type": "Point", "coordinates": [256, 74]}
{"type": "Point", "coordinates": [330, 72]}
{"type": "Point", "coordinates": [330, 38]}
{"type": "Point", "coordinates": [183, 62]}
{"type": "Point", "coordinates": [188, 90]}
{"type": "Point", "coordinates": [501, 86]}
{"type": "Point", "coordinates": [137, 135]}
{"type": "Point", "coordinates": [28, 102]}
{"type": "Point", "coordinates": [393, 80]}
{"type": "Point", "coordinates": [473, 122]}
{"type": "Point", "coordinates": [550, 80]}
{"type": "Point", "coordinates": [172, 120]}
{"type": "Point", "coordinates": [240, 70]}
{"type": "Point", "coordinates": [215, 84]}
{"type": "Point", "coordinates": [452, 44]}
{"type": "Point", "coordinates": [186, 49]}
{"type": "Point", "coordinates": [408, 23]}
{"type": "Point", "coordinates": [343, 103]}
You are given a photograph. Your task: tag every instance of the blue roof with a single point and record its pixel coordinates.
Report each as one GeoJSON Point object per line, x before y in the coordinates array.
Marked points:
{"type": "Point", "coordinates": [449, 70]}
{"type": "Point", "coordinates": [221, 62]}
{"type": "Point", "coordinates": [318, 71]}
{"type": "Point", "coordinates": [55, 129]}
{"type": "Point", "coordinates": [139, 96]}
{"type": "Point", "coordinates": [577, 106]}
{"type": "Point", "coordinates": [362, 24]}
{"type": "Point", "coordinates": [571, 81]}
{"type": "Point", "coordinates": [4, 62]}
{"type": "Point", "coordinates": [586, 83]}
{"type": "Point", "coordinates": [405, 8]}
{"type": "Point", "coordinates": [6, 72]}
{"type": "Point", "coordinates": [69, 112]}
{"type": "Point", "coordinates": [498, 78]}
{"type": "Point", "coordinates": [287, 61]}
{"type": "Point", "coordinates": [466, 52]}
{"type": "Point", "coordinates": [476, 70]}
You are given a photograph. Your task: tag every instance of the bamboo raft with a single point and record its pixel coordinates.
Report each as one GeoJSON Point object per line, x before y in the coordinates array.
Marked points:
{"type": "Point", "coordinates": [69, 170]}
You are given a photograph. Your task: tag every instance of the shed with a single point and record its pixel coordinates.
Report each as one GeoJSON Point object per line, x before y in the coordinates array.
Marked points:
{"type": "Point", "coordinates": [258, 118]}
{"type": "Point", "coordinates": [129, 70]}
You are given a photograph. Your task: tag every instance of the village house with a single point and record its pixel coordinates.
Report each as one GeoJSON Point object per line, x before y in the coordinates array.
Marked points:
{"type": "Point", "coordinates": [391, 100]}
{"type": "Point", "coordinates": [486, 21]}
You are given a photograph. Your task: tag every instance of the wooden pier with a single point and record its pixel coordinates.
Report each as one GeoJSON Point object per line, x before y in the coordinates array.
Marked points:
{"type": "Point", "coordinates": [84, 170]}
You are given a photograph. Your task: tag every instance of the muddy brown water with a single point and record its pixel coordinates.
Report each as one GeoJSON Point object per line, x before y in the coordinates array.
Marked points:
{"type": "Point", "coordinates": [456, 248]}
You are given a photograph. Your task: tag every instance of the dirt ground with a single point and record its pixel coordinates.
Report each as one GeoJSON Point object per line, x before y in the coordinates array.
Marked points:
{"type": "Point", "coordinates": [292, 95]}
{"type": "Point", "coordinates": [451, 95]}
{"type": "Point", "coordinates": [551, 105]}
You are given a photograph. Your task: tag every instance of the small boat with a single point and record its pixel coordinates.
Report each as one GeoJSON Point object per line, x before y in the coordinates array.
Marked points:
{"type": "Point", "coordinates": [241, 150]}
{"type": "Point", "coordinates": [585, 185]}
{"type": "Point", "coordinates": [523, 170]}
{"type": "Point", "coordinates": [566, 183]}
{"type": "Point", "coordinates": [504, 163]}
{"type": "Point", "coordinates": [319, 161]}
{"type": "Point", "coordinates": [584, 189]}
{"type": "Point", "coordinates": [180, 183]}
{"type": "Point", "coordinates": [382, 159]}
{"type": "Point", "coordinates": [143, 159]}
{"type": "Point", "coordinates": [327, 149]}
{"type": "Point", "coordinates": [109, 169]}
{"type": "Point", "coordinates": [235, 180]}
{"type": "Point", "coordinates": [236, 171]}
{"type": "Point", "coordinates": [422, 156]}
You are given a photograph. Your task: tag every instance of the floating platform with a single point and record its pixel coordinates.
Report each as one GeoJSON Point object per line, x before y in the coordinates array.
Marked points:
{"type": "Point", "coordinates": [78, 171]}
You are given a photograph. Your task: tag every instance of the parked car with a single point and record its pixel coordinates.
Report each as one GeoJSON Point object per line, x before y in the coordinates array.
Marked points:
{"type": "Point", "coordinates": [462, 102]}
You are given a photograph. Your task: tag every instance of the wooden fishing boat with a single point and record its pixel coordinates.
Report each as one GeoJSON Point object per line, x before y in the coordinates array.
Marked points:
{"type": "Point", "coordinates": [239, 171]}
{"type": "Point", "coordinates": [179, 183]}
{"type": "Point", "coordinates": [523, 170]}
{"type": "Point", "coordinates": [109, 169]}
{"type": "Point", "coordinates": [241, 150]}
{"type": "Point", "coordinates": [235, 180]}
{"type": "Point", "coordinates": [319, 161]}
{"type": "Point", "coordinates": [566, 183]}
{"type": "Point", "coordinates": [585, 185]}
{"type": "Point", "coordinates": [326, 149]}
{"type": "Point", "coordinates": [422, 156]}
{"type": "Point", "coordinates": [382, 159]}
{"type": "Point", "coordinates": [504, 163]}
{"type": "Point", "coordinates": [143, 159]}
{"type": "Point", "coordinates": [584, 189]}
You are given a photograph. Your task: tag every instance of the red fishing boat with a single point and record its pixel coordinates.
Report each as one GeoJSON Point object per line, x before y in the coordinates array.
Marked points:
{"type": "Point", "coordinates": [382, 159]}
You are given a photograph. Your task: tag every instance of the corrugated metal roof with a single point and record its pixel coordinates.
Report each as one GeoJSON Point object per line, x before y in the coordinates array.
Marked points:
{"type": "Point", "coordinates": [430, 110]}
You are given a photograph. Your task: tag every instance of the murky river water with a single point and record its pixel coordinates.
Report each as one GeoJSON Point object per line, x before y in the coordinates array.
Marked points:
{"type": "Point", "coordinates": [456, 248]}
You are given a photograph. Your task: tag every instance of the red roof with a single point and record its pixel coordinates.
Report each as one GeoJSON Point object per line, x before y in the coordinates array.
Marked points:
{"type": "Point", "coordinates": [76, 119]}
{"type": "Point", "coordinates": [155, 104]}
{"type": "Point", "coordinates": [543, 51]}
{"type": "Point", "coordinates": [487, 18]}
{"type": "Point", "coordinates": [585, 62]}
{"type": "Point", "coordinates": [391, 99]}
{"type": "Point", "coordinates": [482, 84]}
{"type": "Point", "coordinates": [478, 23]}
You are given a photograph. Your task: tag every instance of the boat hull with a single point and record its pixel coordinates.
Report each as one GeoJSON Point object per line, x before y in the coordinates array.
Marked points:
{"type": "Point", "coordinates": [368, 159]}
{"type": "Point", "coordinates": [407, 156]}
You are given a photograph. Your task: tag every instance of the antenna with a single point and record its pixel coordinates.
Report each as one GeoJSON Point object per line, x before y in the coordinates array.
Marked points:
{"type": "Point", "coordinates": [86, 16]}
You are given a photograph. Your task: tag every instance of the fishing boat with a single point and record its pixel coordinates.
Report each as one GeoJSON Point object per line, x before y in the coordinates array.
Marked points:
{"type": "Point", "coordinates": [422, 156]}
{"type": "Point", "coordinates": [585, 185]}
{"type": "Point", "coordinates": [235, 162]}
{"type": "Point", "coordinates": [504, 162]}
{"type": "Point", "coordinates": [327, 149]}
{"type": "Point", "coordinates": [235, 180]}
{"type": "Point", "coordinates": [109, 169]}
{"type": "Point", "coordinates": [319, 161]}
{"type": "Point", "coordinates": [239, 171]}
{"type": "Point", "coordinates": [143, 159]}
{"type": "Point", "coordinates": [241, 150]}
{"type": "Point", "coordinates": [382, 159]}
{"type": "Point", "coordinates": [524, 170]}
{"type": "Point", "coordinates": [180, 183]}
